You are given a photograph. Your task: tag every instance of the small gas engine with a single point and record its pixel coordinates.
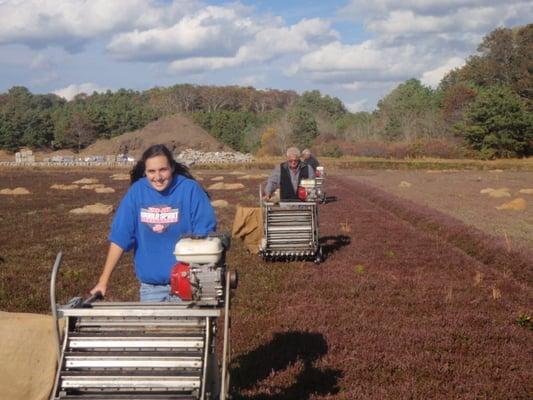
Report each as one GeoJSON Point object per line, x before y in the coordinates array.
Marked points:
{"type": "Point", "coordinates": [308, 190]}
{"type": "Point", "coordinates": [200, 273]}
{"type": "Point", "coordinates": [312, 189]}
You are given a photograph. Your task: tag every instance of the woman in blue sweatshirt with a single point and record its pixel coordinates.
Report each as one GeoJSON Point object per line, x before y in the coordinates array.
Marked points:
{"type": "Point", "coordinates": [163, 203]}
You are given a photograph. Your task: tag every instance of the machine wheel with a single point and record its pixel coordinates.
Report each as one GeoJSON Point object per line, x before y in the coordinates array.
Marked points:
{"type": "Point", "coordinates": [233, 279]}
{"type": "Point", "coordinates": [319, 256]}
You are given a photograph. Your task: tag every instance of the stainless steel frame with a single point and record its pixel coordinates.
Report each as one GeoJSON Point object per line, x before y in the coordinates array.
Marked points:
{"type": "Point", "coordinates": [139, 350]}
{"type": "Point", "coordinates": [290, 230]}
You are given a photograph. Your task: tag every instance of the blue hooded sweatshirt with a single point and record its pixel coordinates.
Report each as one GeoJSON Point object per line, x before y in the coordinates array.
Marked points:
{"type": "Point", "coordinates": [151, 222]}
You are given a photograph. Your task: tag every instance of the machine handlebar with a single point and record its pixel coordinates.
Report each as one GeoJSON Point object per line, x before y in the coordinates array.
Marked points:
{"type": "Point", "coordinates": [92, 298]}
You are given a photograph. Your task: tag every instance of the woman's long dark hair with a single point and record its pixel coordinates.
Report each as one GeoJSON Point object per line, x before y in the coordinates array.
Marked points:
{"type": "Point", "coordinates": [138, 170]}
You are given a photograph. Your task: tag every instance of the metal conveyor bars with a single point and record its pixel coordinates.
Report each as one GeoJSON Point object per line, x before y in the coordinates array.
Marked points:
{"type": "Point", "coordinates": [125, 352]}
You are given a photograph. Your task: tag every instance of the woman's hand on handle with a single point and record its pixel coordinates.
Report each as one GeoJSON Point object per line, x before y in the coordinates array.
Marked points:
{"type": "Point", "coordinates": [100, 287]}
{"type": "Point", "coordinates": [113, 255]}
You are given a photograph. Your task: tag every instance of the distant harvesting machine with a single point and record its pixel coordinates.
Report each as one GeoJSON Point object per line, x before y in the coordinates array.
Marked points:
{"type": "Point", "coordinates": [291, 228]}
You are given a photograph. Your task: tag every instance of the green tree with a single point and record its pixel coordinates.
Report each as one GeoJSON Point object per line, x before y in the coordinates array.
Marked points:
{"type": "Point", "coordinates": [9, 136]}
{"type": "Point", "coordinates": [356, 126]}
{"type": "Point", "coordinates": [25, 119]}
{"type": "Point", "coordinates": [498, 124]}
{"type": "Point", "coordinates": [304, 127]}
{"type": "Point", "coordinates": [227, 126]}
{"type": "Point", "coordinates": [409, 111]}
{"type": "Point", "coordinates": [39, 130]}
{"type": "Point", "coordinates": [330, 107]}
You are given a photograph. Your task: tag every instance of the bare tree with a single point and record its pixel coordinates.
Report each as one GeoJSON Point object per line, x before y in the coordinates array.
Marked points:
{"type": "Point", "coordinates": [80, 131]}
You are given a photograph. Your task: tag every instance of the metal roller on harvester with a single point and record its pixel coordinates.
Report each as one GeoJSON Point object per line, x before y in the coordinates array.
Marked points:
{"type": "Point", "coordinates": [291, 228]}
{"type": "Point", "coordinates": [150, 351]}
{"type": "Point", "coordinates": [319, 182]}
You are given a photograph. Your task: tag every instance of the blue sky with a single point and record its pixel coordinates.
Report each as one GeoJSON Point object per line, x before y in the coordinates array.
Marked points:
{"type": "Point", "coordinates": [352, 49]}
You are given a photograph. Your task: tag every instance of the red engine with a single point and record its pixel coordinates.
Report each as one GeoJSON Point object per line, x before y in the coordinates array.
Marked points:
{"type": "Point", "coordinates": [180, 281]}
{"type": "Point", "coordinates": [302, 193]}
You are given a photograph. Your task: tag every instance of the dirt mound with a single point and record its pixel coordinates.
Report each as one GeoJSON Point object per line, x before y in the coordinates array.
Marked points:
{"type": "Point", "coordinates": [97, 208]}
{"type": "Point", "coordinates": [16, 191]}
{"type": "Point", "coordinates": [177, 132]}
{"type": "Point", "coordinates": [120, 177]}
{"type": "Point", "coordinates": [219, 203]}
{"type": "Point", "coordinates": [86, 181]}
{"type": "Point", "coordinates": [93, 186]}
{"type": "Point", "coordinates": [104, 190]}
{"type": "Point", "coordinates": [518, 204]}
{"type": "Point", "coordinates": [225, 186]}
{"type": "Point", "coordinates": [59, 186]}
{"type": "Point", "coordinates": [252, 176]}
{"type": "Point", "coordinates": [497, 193]}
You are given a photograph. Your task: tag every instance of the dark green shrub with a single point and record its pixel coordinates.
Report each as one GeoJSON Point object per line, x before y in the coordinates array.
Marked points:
{"type": "Point", "coordinates": [497, 124]}
{"type": "Point", "coordinates": [330, 150]}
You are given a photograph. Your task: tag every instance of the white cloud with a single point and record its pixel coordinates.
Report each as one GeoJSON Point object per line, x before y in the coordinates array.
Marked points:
{"type": "Point", "coordinates": [268, 43]}
{"type": "Point", "coordinates": [433, 77]}
{"type": "Point", "coordinates": [348, 64]}
{"type": "Point", "coordinates": [214, 31]}
{"type": "Point", "coordinates": [304, 36]}
{"type": "Point", "coordinates": [71, 91]}
{"type": "Point", "coordinates": [351, 86]}
{"type": "Point", "coordinates": [356, 106]}
{"type": "Point", "coordinates": [69, 24]}
{"type": "Point", "coordinates": [390, 18]}
{"type": "Point", "coordinates": [407, 22]}
{"type": "Point", "coordinates": [362, 8]}
{"type": "Point", "coordinates": [369, 85]}
{"type": "Point", "coordinates": [252, 80]}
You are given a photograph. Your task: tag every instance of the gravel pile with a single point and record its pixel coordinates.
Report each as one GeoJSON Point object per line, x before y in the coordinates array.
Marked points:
{"type": "Point", "coordinates": [187, 157]}
{"type": "Point", "coordinates": [190, 157]}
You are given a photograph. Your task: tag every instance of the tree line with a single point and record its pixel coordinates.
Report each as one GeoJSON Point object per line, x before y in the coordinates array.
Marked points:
{"type": "Point", "coordinates": [38, 121]}
{"type": "Point", "coordinates": [483, 109]}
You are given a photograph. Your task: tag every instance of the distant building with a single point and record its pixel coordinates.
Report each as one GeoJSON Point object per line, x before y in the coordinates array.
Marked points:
{"type": "Point", "coordinates": [24, 156]}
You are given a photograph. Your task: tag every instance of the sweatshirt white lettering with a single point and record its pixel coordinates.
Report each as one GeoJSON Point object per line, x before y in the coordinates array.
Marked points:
{"type": "Point", "coordinates": [157, 216]}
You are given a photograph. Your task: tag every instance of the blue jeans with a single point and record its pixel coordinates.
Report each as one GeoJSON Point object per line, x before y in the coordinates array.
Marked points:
{"type": "Point", "coordinates": [157, 293]}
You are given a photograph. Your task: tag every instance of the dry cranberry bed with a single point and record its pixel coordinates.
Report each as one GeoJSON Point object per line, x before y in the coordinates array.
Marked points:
{"type": "Point", "coordinates": [409, 303]}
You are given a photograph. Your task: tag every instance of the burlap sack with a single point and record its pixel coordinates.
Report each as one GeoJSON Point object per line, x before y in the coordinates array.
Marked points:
{"type": "Point", "coordinates": [28, 356]}
{"type": "Point", "coordinates": [248, 226]}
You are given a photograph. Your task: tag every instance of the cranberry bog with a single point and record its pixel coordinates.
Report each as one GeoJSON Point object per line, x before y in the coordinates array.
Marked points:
{"type": "Point", "coordinates": [412, 300]}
